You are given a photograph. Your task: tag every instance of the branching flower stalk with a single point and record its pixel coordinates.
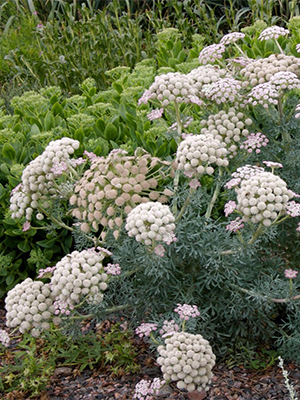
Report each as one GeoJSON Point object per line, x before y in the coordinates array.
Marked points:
{"type": "Point", "coordinates": [215, 195]}
{"type": "Point", "coordinates": [252, 293]}
{"type": "Point", "coordinates": [55, 220]}
{"type": "Point", "coordinates": [285, 135]}
{"type": "Point", "coordinates": [87, 316]}
{"type": "Point", "coordinates": [178, 120]}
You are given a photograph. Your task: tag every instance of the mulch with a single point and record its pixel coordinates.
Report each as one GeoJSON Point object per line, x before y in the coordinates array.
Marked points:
{"type": "Point", "coordinates": [236, 383]}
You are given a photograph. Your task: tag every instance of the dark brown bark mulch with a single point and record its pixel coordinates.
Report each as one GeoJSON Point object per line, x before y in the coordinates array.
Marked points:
{"type": "Point", "coordinates": [236, 383]}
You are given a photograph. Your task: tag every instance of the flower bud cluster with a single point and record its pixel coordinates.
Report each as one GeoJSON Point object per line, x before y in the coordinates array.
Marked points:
{"type": "Point", "coordinates": [273, 32]}
{"type": "Point", "coordinates": [225, 90]}
{"type": "Point", "coordinates": [113, 186]}
{"type": "Point", "coordinates": [38, 179]}
{"type": "Point", "coordinates": [4, 338]}
{"type": "Point", "coordinates": [29, 306]}
{"type": "Point", "coordinates": [197, 153]}
{"type": "Point", "coordinates": [206, 74]}
{"type": "Point", "coordinates": [261, 70]}
{"type": "Point", "coordinates": [229, 127]}
{"type": "Point", "coordinates": [209, 54]}
{"type": "Point", "coordinates": [151, 222]}
{"type": "Point", "coordinates": [77, 275]}
{"type": "Point", "coordinates": [262, 197]}
{"type": "Point", "coordinates": [187, 359]}
{"type": "Point", "coordinates": [172, 86]}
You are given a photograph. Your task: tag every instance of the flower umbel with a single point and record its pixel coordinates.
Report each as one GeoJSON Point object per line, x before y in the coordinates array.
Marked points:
{"type": "Point", "coordinates": [185, 311]}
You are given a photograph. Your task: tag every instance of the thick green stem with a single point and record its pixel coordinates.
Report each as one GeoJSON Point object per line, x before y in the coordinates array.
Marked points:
{"type": "Point", "coordinates": [55, 220]}
{"type": "Point", "coordinates": [215, 195]}
{"type": "Point", "coordinates": [107, 311]}
{"type": "Point", "coordinates": [251, 292]}
{"type": "Point", "coordinates": [187, 200]}
{"type": "Point", "coordinates": [257, 233]}
{"type": "Point", "coordinates": [178, 119]}
{"type": "Point", "coordinates": [285, 135]}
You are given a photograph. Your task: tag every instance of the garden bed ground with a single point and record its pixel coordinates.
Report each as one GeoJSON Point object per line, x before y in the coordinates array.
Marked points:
{"type": "Point", "coordinates": [237, 383]}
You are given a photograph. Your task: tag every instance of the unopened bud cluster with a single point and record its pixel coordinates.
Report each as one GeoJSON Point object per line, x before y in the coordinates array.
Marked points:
{"type": "Point", "coordinates": [77, 275]}
{"type": "Point", "coordinates": [29, 306]}
{"type": "Point", "coordinates": [172, 87]}
{"type": "Point", "coordinates": [206, 74]}
{"type": "Point", "coordinates": [113, 186]}
{"type": "Point", "coordinates": [261, 70]}
{"type": "Point", "coordinates": [229, 127]}
{"type": "Point", "coordinates": [197, 153]}
{"type": "Point", "coordinates": [187, 359]}
{"type": "Point", "coordinates": [262, 197]}
{"type": "Point", "coordinates": [151, 222]}
{"type": "Point", "coordinates": [38, 179]}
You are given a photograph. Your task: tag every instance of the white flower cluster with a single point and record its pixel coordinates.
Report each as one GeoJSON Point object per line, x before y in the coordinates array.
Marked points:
{"type": "Point", "coordinates": [262, 197]}
{"type": "Point", "coordinates": [38, 177]}
{"type": "Point", "coordinates": [151, 222]}
{"type": "Point", "coordinates": [196, 154]}
{"type": "Point", "coordinates": [77, 275]}
{"type": "Point", "coordinates": [232, 38]}
{"type": "Point", "coordinates": [113, 186]}
{"type": "Point", "coordinates": [244, 172]}
{"type": "Point", "coordinates": [172, 86]}
{"type": "Point", "coordinates": [187, 359]}
{"type": "Point", "coordinates": [225, 90]}
{"type": "Point", "coordinates": [285, 80]}
{"type": "Point", "coordinates": [29, 306]}
{"type": "Point", "coordinates": [229, 127]}
{"type": "Point", "coordinates": [264, 94]}
{"type": "Point", "coordinates": [209, 54]}
{"type": "Point", "coordinates": [206, 74]}
{"type": "Point", "coordinates": [273, 32]}
{"type": "Point", "coordinates": [261, 70]}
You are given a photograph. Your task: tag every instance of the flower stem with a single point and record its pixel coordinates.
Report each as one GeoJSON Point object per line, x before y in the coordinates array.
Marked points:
{"type": "Point", "coordinates": [257, 233]}
{"type": "Point", "coordinates": [215, 195]}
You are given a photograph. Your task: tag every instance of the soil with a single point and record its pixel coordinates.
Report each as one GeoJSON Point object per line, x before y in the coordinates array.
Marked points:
{"type": "Point", "coordinates": [236, 383]}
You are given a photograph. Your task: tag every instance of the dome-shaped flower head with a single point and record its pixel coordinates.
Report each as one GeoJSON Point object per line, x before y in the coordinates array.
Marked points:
{"type": "Point", "coordinates": [261, 70]}
{"type": "Point", "coordinates": [264, 94]}
{"type": "Point", "coordinates": [29, 307]}
{"type": "Point", "coordinates": [197, 153]}
{"type": "Point", "coordinates": [206, 74]}
{"type": "Point", "coordinates": [151, 222]}
{"type": "Point", "coordinates": [232, 37]}
{"type": "Point", "coordinates": [113, 186]}
{"type": "Point", "coordinates": [262, 197]}
{"type": "Point", "coordinates": [226, 90]}
{"type": "Point", "coordinates": [187, 359]}
{"type": "Point", "coordinates": [244, 172]}
{"type": "Point", "coordinates": [229, 127]}
{"type": "Point", "coordinates": [76, 276]}
{"type": "Point", "coordinates": [285, 80]}
{"type": "Point", "coordinates": [172, 87]}
{"type": "Point", "coordinates": [38, 179]}
{"type": "Point", "coordinates": [273, 32]}
{"type": "Point", "coordinates": [209, 54]}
